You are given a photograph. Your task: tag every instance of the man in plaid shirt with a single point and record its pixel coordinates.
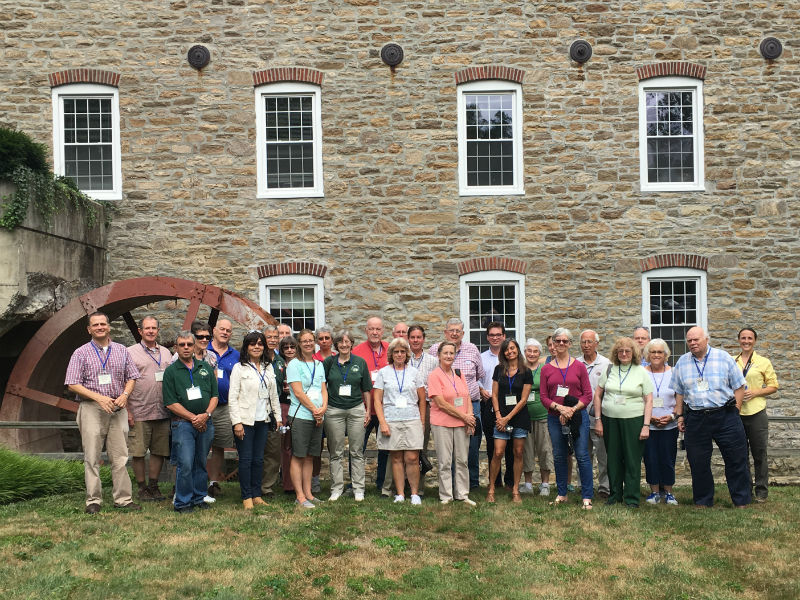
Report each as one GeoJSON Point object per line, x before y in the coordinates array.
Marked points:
{"type": "Point", "coordinates": [102, 374]}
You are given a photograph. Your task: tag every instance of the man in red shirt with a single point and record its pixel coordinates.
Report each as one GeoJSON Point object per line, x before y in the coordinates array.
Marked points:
{"type": "Point", "coordinates": [375, 352]}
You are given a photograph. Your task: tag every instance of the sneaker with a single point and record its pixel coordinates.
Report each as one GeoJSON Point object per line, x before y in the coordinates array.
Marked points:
{"type": "Point", "coordinates": [207, 500]}
{"type": "Point", "coordinates": [398, 499]}
{"type": "Point", "coordinates": [315, 485]}
{"type": "Point", "coordinates": [570, 488]}
{"type": "Point", "coordinates": [359, 496]}
{"type": "Point", "coordinates": [128, 506]}
{"type": "Point", "coordinates": [654, 498]}
{"type": "Point", "coordinates": [670, 499]}
{"type": "Point", "coordinates": [416, 500]}
{"type": "Point", "coordinates": [526, 488]}
{"type": "Point", "coordinates": [445, 501]}
{"type": "Point", "coordinates": [315, 500]}
{"type": "Point", "coordinates": [544, 489]}
{"type": "Point", "coordinates": [214, 490]}
{"type": "Point", "coordinates": [305, 504]}
{"type": "Point", "coordinates": [469, 502]}
{"type": "Point", "coordinates": [146, 494]}
{"type": "Point", "coordinates": [92, 509]}
{"type": "Point", "coordinates": [334, 497]}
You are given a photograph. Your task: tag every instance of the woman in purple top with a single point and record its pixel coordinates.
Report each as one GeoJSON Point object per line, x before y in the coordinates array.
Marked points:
{"type": "Point", "coordinates": [566, 392]}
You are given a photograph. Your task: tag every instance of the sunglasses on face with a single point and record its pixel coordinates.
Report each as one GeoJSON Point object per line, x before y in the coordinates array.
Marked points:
{"type": "Point", "coordinates": [203, 337]}
{"type": "Point", "coordinates": [185, 344]}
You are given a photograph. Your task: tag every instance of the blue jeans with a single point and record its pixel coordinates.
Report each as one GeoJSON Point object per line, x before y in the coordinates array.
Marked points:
{"type": "Point", "coordinates": [725, 427]}
{"type": "Point", "coordinates": [581, 454]}
{"type": "Point", "coordinates": [474, 454]}
{"type": "Point", "coordinates": [190, 449]}
{"type": "Point", "coordinates": [251, 458]}
{"type": "Point", "coordinates": [383, 455]}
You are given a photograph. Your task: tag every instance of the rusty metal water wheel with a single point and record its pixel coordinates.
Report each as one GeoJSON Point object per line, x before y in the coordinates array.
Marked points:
{"type": "Point", "coordinates": [35, 390]}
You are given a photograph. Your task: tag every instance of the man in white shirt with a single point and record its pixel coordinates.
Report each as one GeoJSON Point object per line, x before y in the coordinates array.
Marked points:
{"type": "Point", "coordinates": [596, 364]}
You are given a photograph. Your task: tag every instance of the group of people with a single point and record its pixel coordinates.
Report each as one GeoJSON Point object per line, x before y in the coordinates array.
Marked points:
{"type": "Point", "coordinates": [280, 394]}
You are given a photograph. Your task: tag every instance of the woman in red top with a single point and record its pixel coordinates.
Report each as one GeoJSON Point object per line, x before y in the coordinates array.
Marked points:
{"type": "Point", "coordinates": [566, 392]}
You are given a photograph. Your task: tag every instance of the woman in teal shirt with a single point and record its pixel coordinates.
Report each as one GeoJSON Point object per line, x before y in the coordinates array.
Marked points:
{"type": "Point", "coordinates": [624, 396]}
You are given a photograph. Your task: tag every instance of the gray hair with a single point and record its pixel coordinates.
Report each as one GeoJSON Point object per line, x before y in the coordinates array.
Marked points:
{"type": "Point", "coordinates": [596, 336]}
{"type": "Point", "coordinates": [323, 329]}
{"type": "Point", "coordinates": [532, 342]}
{"type": "Point", "coordinates": [645, 327]}
{"type": "Point", "coordinates": [403, 343]}
{"type": "Point", "coordinates": [562, 331]}
{"type": "Point", "coordinates": [453, 321]}
{"type": "Point", "coordinates": [185, 335]}
{"type": "Point", "coordinates": [340, 335]}
{"type": "Point", "coordinates": [270, 327]}
{"type": "Point", "coordinates": [652, 344]}
{"type": "Point", "coordinates": [145, 318]}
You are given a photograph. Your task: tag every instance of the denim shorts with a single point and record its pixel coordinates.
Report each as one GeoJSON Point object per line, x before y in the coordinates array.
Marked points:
{"type": "Point", "coordinates": [518, 433]}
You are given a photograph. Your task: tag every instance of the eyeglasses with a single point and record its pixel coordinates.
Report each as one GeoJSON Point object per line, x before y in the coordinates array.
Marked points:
{"type": "Point", "coordinates": [203, 337]}
{"type": "Point", "coordinates": [185, 344]}
{"type": "Point", "coordinates": [454, 331]}
{"type": "Point", "coordinates": [494, 335]}
{"type": "Point", "coordinates": [256, 343]}
{"type": "Point", "coordinates": [624, 351]}
{"type": "Point", "coordinates": [563, 342]}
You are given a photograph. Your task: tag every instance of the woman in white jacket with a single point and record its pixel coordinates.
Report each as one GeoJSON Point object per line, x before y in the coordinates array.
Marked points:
{"type": "Point", "coordinates": [254, 410]}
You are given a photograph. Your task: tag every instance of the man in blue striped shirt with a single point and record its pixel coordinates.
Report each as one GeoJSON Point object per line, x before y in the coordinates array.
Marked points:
{"type": "Point", "coordinates": [709, 390]}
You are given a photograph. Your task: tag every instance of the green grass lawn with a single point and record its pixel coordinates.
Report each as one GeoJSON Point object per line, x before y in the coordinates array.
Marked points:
{"type": "Point", "coordinates": [50, 549]}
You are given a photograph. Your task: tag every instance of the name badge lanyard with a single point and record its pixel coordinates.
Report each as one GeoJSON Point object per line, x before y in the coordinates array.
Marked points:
{"type": "Point", "coordinates": [699, 371]}
{"type": "Point", "coordinates": [103, 363]}
{"type": "Point", "coordinates": [621, 378]}
{"type": "Point", "coordinates": [511, 382]}
{"type": "Point", "coordinates": [411, 360]}
{"type": "Point", "coordinates": [153, 358]}
{"type": "Point", "coordinates": [191, 376]}
{"type": "Point", "coordinates": [746, 368]}
{"type": "Point", "coordinates": [376, 356]}
{"type": "Point", "coordinates": [658, 383]}
{"type": "Point", "coordinates": [260, 376]}
{"type": "Point", "coordinates": [399, 384]}
{"type": "Point", "coordinates": [563, 371]}
{"type": "Point", "coordinates": [313, 373]}
{"type": "Point", "coordinates": [344, 372]}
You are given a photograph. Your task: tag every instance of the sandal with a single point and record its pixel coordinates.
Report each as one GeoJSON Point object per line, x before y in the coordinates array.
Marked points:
{"type": "Point", "coordinates": [559, 500]}
{"type": "Point", "coordinates": [516, 498]}
{"type": "Point", "coordinates": [490, 496]}
{"type": "Point", "coordinates": [587, 504]}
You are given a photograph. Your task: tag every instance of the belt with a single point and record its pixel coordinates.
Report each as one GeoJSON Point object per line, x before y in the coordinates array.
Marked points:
{"type": "Point", "coordinates": [707, 411]}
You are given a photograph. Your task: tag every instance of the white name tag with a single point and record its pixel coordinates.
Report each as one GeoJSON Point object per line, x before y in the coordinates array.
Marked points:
{"type": "Point", "coordinates": [511, 400]}
{"type": "Point", "coordinates": [263, 392]}
{"type": "Point", "coordinates": [104, 379]}
{"type": "Point", "coordinates": [314, 395]}
{"type": "Point", "coordinates": [532, 398]}
{"type": "Point", "coordinates": [373, 375]}
{"type": "Point", "coordinates": [159, 375]}
{"type": "Point", "coordinates": [562, 391]}
{"type": "Point", "coordinates": [658, 403]}
{"type": "Point", "coordinates": [458, 402]}
{"type": "Point", "coordinates": [220, 374]}
{"type": "Point", "coordinates": [702, 386]}
{"type": "Point", "coordinates": [194, 393]}
{"type": "Point", "coordinates": [344, 390]}
{"type": "Point", "coordinates": [401, 402]}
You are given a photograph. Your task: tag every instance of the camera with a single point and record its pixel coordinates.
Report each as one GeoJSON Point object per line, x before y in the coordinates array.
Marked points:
{"type": "Point", "coordinates": [509, 428]}
{"type": "Point", "coordinates": [284, 429]}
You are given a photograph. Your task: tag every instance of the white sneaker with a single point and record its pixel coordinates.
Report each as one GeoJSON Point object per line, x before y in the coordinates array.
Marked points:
{"type": "Point", "coordinates": [544, 489]}
{"type": "Point", "coordinates": [445, 501]}
{"type": "Point", "coordinates": [359, 496]}
{"type": "Point", "coordinates": [469, 502]}
{"type": "Point", "coordinates": [415, 500]}
{"type": "Point", "coordinates": [207, 500]}
{"type": "Point", "coordinates": [398, 499]}
{"type": "Point", "coordinates": [526, 488]}
{"type": "Point", "coordinates": [334, 497]}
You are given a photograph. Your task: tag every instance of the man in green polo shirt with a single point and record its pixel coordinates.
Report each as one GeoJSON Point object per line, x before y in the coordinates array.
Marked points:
{"type": "Point", "coordinates": [190, 393]}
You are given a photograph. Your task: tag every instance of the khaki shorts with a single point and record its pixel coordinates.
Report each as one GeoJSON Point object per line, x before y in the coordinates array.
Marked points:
{"type": "Point", "coordinates": [306, 438]}
{"type": "Point", "coordinates": [223, 429]}
{"type": "Point", "coordinates": [152, 435]}
{"type": "Point", "coordinates": [405, 435]}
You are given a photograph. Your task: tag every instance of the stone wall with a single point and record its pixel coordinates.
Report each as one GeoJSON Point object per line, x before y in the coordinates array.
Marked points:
{"type": "Point", "coordinates": [392, 228]}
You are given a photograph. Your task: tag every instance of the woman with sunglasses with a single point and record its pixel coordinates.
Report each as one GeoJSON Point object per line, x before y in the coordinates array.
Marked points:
{"type": "Point", "coordinates": [202, 336]}
{"type": "Point", "coordinates": [623, 405]}
{"type": "Point", "coordinates": [565, 391]}
{"type": "Point", "coordinates": [253, 402]}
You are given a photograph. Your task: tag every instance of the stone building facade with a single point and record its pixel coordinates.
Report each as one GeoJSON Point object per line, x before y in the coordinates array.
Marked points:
{"type": "Point", "coordinates": [389, 225]}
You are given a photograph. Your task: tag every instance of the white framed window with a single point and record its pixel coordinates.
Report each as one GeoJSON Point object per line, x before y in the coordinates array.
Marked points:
{"type": "Point", "coordinates": [490, 138]}
{"type": "Point", "coordinates": [297, 300]}
{"type": "Point", "coordinates": [86, 144]}
{"type": "Point", "coordinates": [288, 140]}
{"type": "Point", "coordinates": [671, 134]}
{"type": "Point", "coordinates": [673, 301]}
{"type": "Point", "coordinates": [488, 296]}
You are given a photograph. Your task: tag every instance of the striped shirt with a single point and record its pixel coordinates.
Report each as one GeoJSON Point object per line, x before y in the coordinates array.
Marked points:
{"type": "Point", "coordinates": [718, 370]}
{"type": "Point", "coordinates": [86, 365]}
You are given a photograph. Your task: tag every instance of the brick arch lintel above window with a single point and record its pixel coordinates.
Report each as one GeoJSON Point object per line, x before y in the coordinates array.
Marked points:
{"type": "Point", "coordinates": [97, 76]}
{"type": "Point", "coordinates": [490, 72]}
{"type": "Point", "coordinates": [292, 268]}
{"type": "Point", "coordinates": [665, 261]}
{"type": "Point", "coordinates": [671, 69]}
{"type": "Point", "coordinates": [475, 265]}
{"type": "Point", "coordinates": [283, 74]}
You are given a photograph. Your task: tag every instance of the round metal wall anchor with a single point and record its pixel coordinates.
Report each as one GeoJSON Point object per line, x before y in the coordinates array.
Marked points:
{"type": "Point", "coordinates": [580, 51]}
{"type": "Point", "coordinates": [771, 48]}
{"type": "Point", "coordinates": [199, 56]}
{"type": "Point", "coordinates": [392, 54]}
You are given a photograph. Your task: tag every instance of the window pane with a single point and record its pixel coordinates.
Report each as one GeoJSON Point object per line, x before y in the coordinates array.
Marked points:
{"type": "Point", "coordinates": [489, 119]}
{"type": "Point", "coordinates": [491, 302]}
{"type": "Point", "coordinates": [289, 136]}
{"type": "Point", "coordinates": [669, 318]}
